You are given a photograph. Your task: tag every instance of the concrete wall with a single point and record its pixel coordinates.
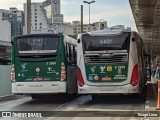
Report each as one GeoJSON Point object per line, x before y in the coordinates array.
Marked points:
{"type": "Point", "coordinates": [5, 81]}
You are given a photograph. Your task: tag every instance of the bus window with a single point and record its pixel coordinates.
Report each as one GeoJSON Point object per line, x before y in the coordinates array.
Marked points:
{"type": "Point", "coordinates": [37, 45]}
{"type": "Point", "coordinates": [99, 43]}
{"type": "Point", "coordinates": [71, 54]}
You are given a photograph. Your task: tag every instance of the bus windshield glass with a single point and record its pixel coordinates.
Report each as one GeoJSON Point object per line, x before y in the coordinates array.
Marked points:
{"type": "Point", "coordinates": [36, 44]}
{"type": "Point", "coordinates": [98, 43]}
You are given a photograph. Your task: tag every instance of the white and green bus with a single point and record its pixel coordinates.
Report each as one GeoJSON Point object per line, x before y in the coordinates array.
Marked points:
{"type": "Point", "coordinates": [111, 61]}
{"type": "Point", "coordinates": [43, 64]}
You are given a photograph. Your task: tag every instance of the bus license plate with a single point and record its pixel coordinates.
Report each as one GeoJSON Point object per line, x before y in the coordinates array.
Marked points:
{"type": "Point", "coordinates": [106, 78]}
{"type": "Point", "coordinates": [37, 79]}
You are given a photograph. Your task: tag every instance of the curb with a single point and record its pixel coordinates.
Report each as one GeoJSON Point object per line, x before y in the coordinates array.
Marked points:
{"type": "Point", "coordinates": [6, 96]}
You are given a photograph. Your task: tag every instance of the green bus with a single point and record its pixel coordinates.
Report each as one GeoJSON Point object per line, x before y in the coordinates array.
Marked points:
{"type": "Point", "coordinates": [43, 64]}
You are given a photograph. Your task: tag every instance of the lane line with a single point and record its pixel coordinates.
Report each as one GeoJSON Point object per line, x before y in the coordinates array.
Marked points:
{"type": "Point", "coordinates": [147, 102]}
{"type": "Point", "coordinates": [76, 102]}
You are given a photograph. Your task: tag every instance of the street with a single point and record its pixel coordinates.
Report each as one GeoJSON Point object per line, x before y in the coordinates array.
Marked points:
{"type": "Point", "coordinates": [110, 107]}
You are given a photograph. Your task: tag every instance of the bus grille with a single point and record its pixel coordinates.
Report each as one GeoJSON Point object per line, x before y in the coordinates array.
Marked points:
{"type": "Point", "coordinates": [97, 58]}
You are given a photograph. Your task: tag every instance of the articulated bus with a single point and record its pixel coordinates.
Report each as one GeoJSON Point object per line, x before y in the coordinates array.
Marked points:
{"type": "Point", "coordinates": [43, 64]}
{"type": "Point", "coordinates": [111, 61]}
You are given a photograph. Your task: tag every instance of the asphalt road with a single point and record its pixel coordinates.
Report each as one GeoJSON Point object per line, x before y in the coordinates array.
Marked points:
{"type": "Point", "coordinates": [109, 107]}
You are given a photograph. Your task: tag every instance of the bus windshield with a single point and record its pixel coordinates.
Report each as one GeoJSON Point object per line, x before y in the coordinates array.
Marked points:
{"type": "Point", "coordinates": [98, 43]}
{"type": "Point", "coordinates": [35, 44]}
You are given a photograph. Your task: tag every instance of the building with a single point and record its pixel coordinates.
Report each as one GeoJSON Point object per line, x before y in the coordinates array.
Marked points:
{"type": "Point", "coordinates": [68, 28]}
{"type": "Point", "coordinates": [75, 27]}
{"type": "Point", "coordinates": [46, 17]}
{"type": "Point", "coordinates": [11, 23]}
{"type": "Point", "coordinates": [121, 27]}
{"type": "Point", "coordinates": [17, 22]}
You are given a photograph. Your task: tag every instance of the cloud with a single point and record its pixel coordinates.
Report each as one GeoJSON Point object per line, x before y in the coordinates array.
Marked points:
{"type": "Point", "coordinates": [113, 11]}
{"type": "Point", "coordinates": [6, 4]}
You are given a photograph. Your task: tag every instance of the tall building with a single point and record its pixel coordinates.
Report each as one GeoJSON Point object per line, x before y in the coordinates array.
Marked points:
{"type": "Point", "coordinates": [17, 28]}
{"type": "Point", "coordinates": [11, 23]}
{"type": "Point", "coordinates": [46, 17]}
{"type": "Point", "coordinates": [75, 27]}
{"type": "Point", "coordinates": [121, 27]}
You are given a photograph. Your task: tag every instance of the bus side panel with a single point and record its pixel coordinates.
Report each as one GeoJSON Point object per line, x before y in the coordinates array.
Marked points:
{"type": "Point", "coordinates": [72, 79]}
{"type": "Point", "coordinates": [70, 64]}
{"type": "Point", "coordinates": [133, 60]}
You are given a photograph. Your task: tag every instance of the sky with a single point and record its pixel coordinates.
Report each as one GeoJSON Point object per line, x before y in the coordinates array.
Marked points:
{"type": "Point", "coordinates": [115, 12]}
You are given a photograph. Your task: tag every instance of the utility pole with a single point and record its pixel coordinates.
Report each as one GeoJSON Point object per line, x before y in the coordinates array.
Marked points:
{"type": "Point", "coordinates": [89, 11]}
{"type": "Point", "coordinates": [81, 18]}
{"type": "Point", "coordinates": [28, 17]}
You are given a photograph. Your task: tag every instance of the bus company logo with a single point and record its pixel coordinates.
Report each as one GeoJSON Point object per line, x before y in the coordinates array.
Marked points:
{"type": "Point", "coordinates": [24, 66]}
{"type": "Point", "coordinates": [96, 78]}
{"type": "Point", "coordinates": [37, 69]}
{"type": "Point", "coordinates": [102, 68]}
{"type": "Point", "coordinates": [49, 69]}
{"type": "Point", "coordinates": [106, 78]}
{"type": "Point", "coordinates": [119, 71]}
{"type": "Point", "coordinates": [93, 69]}
{"type": "Point", "coordinates": [109, 68]}
{"type": "Point", "coordinates": [90, 77]}
{"type": "Point", "coordinates": [22, 74]}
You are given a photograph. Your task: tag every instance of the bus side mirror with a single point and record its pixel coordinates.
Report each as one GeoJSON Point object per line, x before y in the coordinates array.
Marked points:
{"type": "Point", "coordinates": [78, 41]}
{"type": "Point", "coordinates": [11, 42]}
{"type": "Point", "coordinates": [133, 39]}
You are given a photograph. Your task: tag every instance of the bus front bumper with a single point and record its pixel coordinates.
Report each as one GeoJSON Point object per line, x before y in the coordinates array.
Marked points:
{"type": "Point", "coordinates": [124, 89]}
{"type": "Point", "coordinates": [38, 87]}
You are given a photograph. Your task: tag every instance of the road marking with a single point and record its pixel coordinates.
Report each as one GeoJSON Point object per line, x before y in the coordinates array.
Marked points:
{"type": "Point", "coordinates": [147, 102]}
{"type": "Point", "coordinates": [78, 100]}
{"type": "Point", "coordinates": [147, 99]}
{"type": "Point", "coordinates": [146, 107]}
{"type": "Point", "coordinates": [65, 104]}
{"type": "Point", "coordinates": [75, 102]}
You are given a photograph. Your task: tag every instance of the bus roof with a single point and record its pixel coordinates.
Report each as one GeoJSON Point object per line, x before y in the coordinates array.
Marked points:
{"type": "Point", "coordinates": [32, 35]}
{"type": "Point", "coordinates": [108, 32]}
{"type": "Point", "coordinates": [70, 40]}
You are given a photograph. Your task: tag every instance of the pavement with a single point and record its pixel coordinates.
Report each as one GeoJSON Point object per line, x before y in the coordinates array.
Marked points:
{"type": "Point", "coordinates": [151, 97]}
{"type": "Point", "coordinates": [11, 97]}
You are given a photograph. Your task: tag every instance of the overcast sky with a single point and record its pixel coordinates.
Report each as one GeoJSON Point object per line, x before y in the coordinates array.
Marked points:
{"type": "Point", "coordinates": [115, 12]}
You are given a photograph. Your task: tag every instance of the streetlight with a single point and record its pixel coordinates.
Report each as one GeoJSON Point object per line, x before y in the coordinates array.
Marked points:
{"type": "Point", "coordinates": [89, 9]}
{"type": "Point", "coordinates": [28, 17]}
